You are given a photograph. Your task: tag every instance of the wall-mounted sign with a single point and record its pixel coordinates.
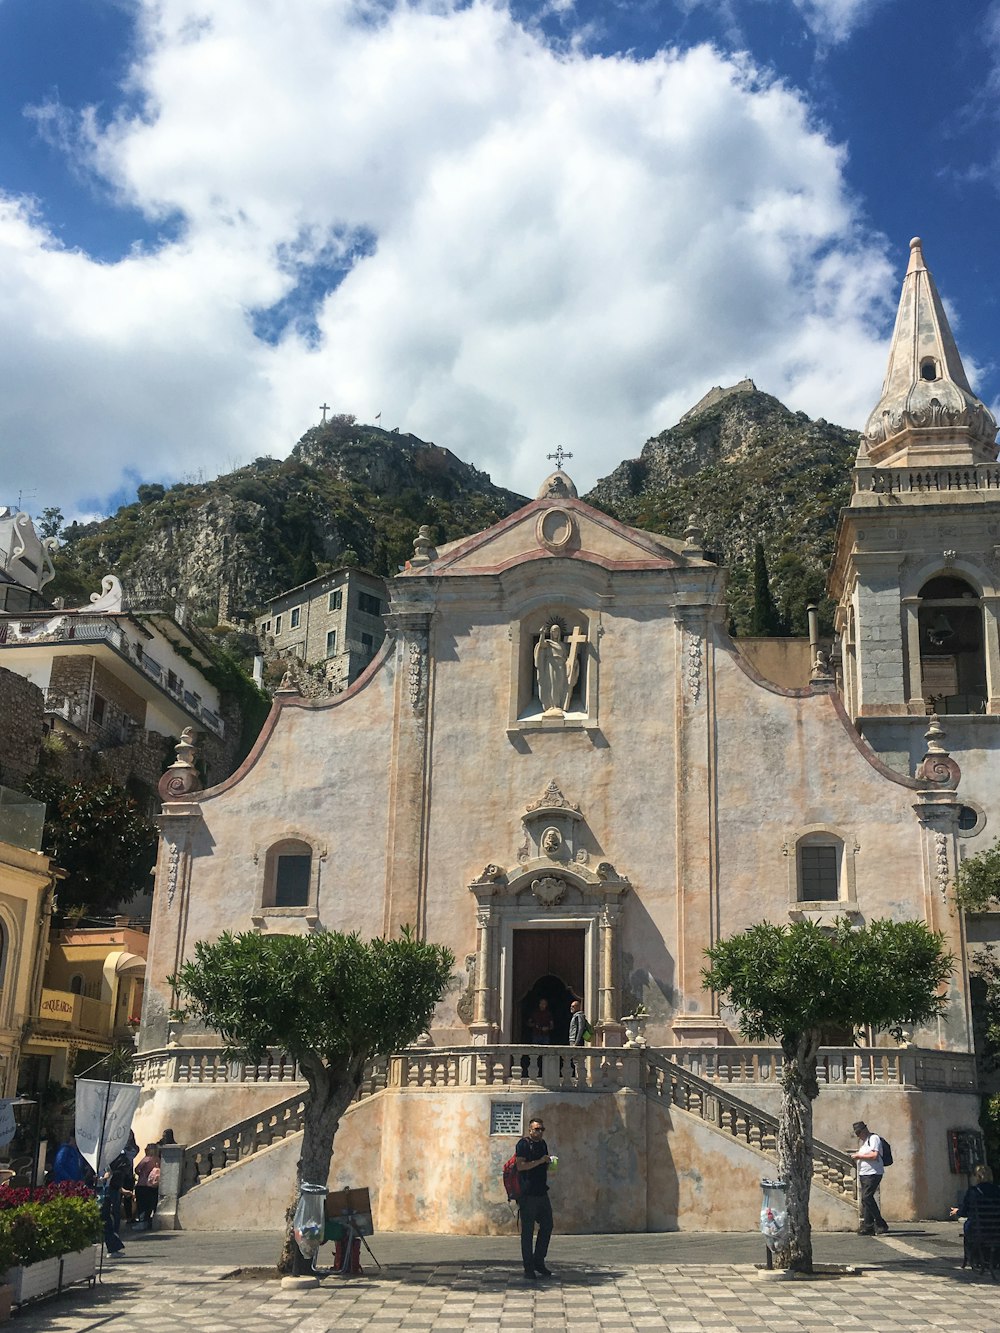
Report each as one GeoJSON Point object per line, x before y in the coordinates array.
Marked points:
{"type": "Point", "coordinates": [57, 1006]}
{"type": "Point", "coordinates": [506, 1117]}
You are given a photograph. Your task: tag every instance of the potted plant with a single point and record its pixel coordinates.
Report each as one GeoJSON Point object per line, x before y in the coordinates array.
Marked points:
{"type": "Point", "coordinates": [635, 1026]}
{"type": "Point", "coordinates": [47, 1238]}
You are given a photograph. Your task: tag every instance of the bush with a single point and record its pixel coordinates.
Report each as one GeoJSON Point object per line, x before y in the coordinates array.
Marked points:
{"type": "Point", "coordinates": [59, 1220]}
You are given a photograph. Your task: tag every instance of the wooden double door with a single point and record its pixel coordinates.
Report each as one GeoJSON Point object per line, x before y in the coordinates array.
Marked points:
{"type": "Point", "coordinates": [549, 965]}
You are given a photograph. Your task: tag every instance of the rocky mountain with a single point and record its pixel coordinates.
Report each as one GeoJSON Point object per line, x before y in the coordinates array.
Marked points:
{"type": "Point", "coordinates": [749, 470]}
{"type": "Point", "coordinates": [747, 467]}
{"type": "Point", "coordinates": [347, 494]}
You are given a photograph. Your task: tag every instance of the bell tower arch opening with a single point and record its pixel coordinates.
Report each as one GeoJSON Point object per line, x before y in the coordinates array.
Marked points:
{"type": "Point", "coordinates": [952, 649]}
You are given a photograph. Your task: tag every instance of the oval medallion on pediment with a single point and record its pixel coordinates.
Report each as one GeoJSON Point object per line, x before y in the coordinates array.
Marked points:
{"type": "Point", "coordinates": [555, 529]}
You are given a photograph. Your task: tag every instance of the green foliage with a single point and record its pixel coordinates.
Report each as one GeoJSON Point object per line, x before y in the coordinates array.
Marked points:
{"type": "Point", "coordinates": [977, 884]}
{"type": "Point", "coordinates": [787, 980]}
{"type": "Point", "coordinates": [764, 617]}
{"type": "Point", "coordinates": [36, 1231]}
{"type": "Point", "coordinates": [150, 492]}
{"type": "Point", "coordinates": [989, 1120]}
{"type": "Point", "coordinates": [94, 831]}
{"type": "Point", "coordinates": [50, 523]}
{"type": "Point", "coordinates": [327, 994]}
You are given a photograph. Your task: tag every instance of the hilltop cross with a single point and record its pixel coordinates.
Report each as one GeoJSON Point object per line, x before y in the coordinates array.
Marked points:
{"type": "Point", "coordinates": [324, 408]}
{"type": "Point", "coordinates": [559, 455]}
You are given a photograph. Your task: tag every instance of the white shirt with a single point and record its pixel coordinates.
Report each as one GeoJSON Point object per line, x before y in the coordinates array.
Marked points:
{"type": "Point", "coordinates": [874, 1167]}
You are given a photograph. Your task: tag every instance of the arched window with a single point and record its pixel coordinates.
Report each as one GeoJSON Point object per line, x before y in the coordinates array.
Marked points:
{"type": "Point", "coordinates": [821, 870]}
{"type": "Point", "coordinates": [819, 859]}
{"type": "Point", "coordinates": [288, 874]}
{"type": "Point", "coordinates": [952, 655]}
{"type": "Point", "coordinates": [76, 984]}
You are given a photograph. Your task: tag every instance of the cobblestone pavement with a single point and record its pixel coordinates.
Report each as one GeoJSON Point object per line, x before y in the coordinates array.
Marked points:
{"type": "Point", "coordinates": [174, 1281]}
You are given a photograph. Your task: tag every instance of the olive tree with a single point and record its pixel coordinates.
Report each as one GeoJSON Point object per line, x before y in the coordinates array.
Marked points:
{"type": "Point", "coordinates": [332, 1001]}
{"type": "Point", "coordinates": [788, 982]}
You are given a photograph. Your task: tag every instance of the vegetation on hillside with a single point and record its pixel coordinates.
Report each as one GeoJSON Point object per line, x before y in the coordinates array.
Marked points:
{"type": "Point", "coordinates": [753, 473]}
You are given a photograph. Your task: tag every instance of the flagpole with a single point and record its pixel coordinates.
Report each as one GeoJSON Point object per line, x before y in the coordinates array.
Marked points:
{"type": "Point", "coordinates": [100, 1150]}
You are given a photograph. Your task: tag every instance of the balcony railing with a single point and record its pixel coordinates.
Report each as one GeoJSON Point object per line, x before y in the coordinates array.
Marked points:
{"type": "Point", "coordinates": [903, 480]}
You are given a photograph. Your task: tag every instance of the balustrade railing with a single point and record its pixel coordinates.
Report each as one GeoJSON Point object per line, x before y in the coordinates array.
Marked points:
{"type": "Point", "coordinates": [849, 1066]}
{"type": "Point", "coordinates": [900, 480]}
{"type": "Point", "coordinates": [199, 1065]}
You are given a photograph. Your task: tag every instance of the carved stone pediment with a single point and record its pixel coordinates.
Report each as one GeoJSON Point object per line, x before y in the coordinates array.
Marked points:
{"type": "Point", "coordinates": [552, 802]}
{"type": "Point", "coordinates": [549, 890]}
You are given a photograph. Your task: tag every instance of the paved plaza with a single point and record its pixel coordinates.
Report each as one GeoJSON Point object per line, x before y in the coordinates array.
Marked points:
{"type": "Point", "coordinates": [682, 1282]}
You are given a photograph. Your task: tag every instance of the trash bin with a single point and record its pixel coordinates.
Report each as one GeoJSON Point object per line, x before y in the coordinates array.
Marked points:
{"type": "Point", "coordinates": [309, 1221]}
{"type": "Point", "coordinates": [773, 1216]}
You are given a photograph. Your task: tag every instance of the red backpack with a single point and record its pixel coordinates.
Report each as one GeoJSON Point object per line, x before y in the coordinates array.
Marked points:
{"type": "Point", "coordinates": [512, 1180]}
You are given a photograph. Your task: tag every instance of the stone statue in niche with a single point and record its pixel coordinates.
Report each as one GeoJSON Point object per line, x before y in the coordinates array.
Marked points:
{"type": "Point", "coordinates": [557, 667]}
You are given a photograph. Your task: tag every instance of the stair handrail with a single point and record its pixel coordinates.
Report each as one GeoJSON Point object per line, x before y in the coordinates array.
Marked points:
{"type": "Point", "coordinates": [833, 1169]}
{"type": "Point", "coordinates": [254, 1132]}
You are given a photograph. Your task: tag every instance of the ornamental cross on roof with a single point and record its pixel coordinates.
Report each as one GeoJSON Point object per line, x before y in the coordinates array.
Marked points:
{"type": "Point", "coordinates": [559, 455]}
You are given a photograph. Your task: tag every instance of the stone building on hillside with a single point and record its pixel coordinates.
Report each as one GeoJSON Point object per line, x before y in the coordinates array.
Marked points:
{"type": "Point", "coordinates": [561, 765]}
{"type": "Point", "coordinates": [117, 685]}
{"type": "Point", "coordinates": [325, 631]}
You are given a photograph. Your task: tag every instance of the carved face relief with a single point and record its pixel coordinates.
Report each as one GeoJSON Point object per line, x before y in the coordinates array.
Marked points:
{"type": "Point", "coordinates": [552, 842]}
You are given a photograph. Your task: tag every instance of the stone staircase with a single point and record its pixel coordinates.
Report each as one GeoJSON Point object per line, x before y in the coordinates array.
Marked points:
{"type": "Point", "coordinates": [512, 1069]}
{"type": "Point", "coordinates": [669, 1082]}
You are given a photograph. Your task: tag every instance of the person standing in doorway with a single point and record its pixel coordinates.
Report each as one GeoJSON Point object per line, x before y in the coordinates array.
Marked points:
{"type": "Point", "coordinates": [541, 1023]}
{"type": "Point", "coordinates": [870, 1169]}
{"type": "Point", "coordinates": [532, 1154]}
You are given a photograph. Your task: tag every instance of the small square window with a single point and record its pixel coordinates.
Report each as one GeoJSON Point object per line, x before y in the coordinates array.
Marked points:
{"type": "Point", "coordinates": [336, 599]}
{"type": "Point", "coordinates": [266, 627]}
{"type": "Point", "coordinates": [369, 604]}
{"type": "Point", "coordinates": [331, 643]}
{"type": "Point", "coordinates": [367, 643]}
{"type": "Point", "coordinates": [295, 617]}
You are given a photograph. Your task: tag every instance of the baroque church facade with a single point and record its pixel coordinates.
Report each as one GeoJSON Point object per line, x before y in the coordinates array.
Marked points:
{"type": "Point", "coordinates": [561, 766]}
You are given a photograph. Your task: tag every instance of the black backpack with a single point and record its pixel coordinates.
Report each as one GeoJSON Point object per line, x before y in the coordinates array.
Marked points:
{"type": "Point", "coordinates": [886, 1152]}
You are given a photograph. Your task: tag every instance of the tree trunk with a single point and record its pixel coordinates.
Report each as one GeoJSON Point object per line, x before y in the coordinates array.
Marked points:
{"type": "Point", "coordinates": [799, 1089]}
{"type": "Point", "coordinates": [331, 1091]}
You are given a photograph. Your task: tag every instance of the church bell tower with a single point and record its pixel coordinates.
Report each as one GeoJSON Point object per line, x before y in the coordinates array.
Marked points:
{"type": "Point", "coordinates": [916, 573]}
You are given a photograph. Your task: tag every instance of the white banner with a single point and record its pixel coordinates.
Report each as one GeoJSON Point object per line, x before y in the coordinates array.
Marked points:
{"type": "Point", "coordinates": [7, 1122]}
{"type": "Point", "coordinates": [107, 1107]}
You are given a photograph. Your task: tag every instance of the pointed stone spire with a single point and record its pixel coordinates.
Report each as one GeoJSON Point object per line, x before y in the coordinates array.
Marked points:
{"type": "Point", "coordinates": [927, 414]}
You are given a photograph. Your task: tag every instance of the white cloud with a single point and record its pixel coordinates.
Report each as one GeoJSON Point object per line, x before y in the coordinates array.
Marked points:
{"type": "Point", "coordinates": [833, 21]}
{"type": "Point", "coordinates": [567, 249]}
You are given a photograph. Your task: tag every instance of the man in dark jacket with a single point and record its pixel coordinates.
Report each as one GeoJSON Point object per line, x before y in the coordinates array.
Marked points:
{"type": "Point", "coordinates": [118, 1177]}
{"type": "Point", "coordinates": [532, 1154]}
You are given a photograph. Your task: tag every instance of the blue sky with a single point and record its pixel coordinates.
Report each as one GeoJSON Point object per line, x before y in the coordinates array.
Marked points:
{"type": "Point", "coordinates": [502, 225]}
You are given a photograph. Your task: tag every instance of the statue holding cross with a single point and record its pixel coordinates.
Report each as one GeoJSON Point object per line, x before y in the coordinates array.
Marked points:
{"type": "Point", "coordinates": [557, 667]}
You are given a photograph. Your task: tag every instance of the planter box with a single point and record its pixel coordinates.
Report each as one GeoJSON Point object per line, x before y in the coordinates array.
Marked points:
{"type": "Point", "coordinates": [35, 1280]}
{"type": "Point", "coordinates": [79, 1266]}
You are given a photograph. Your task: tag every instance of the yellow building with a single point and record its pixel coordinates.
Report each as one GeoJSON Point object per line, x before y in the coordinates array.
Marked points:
{"type": "Point", "coordinates": [26, 883]}
{"type": "Point", "coordinates": [91, 999]}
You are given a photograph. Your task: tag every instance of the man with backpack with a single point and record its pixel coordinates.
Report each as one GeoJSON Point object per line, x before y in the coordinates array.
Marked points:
{"type": "Point", "coordinates": [532, 1158]}
{"type": "Point", "coordinates": [872, 1157]}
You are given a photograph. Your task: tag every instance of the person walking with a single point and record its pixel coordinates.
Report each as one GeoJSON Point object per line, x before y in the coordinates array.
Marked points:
{"type": "Point", "coordinates": [870, 1169]}
{"type": "Point", "coordinates": [147, 1187]}
{"type": "Point", "coordinates": [117, 1178]}
{"type": "Point", "coordinates": [533, 1160]}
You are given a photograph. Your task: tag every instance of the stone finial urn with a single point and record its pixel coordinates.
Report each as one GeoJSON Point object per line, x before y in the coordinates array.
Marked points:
{"type": "Point", "coordinates": [635, 1029]}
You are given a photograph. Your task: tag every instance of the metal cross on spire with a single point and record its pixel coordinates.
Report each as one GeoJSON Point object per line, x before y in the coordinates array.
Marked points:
{"type": "Point", "coordinates": [559, 455]}
{"type": "Point", "coordinates": [324, 408]}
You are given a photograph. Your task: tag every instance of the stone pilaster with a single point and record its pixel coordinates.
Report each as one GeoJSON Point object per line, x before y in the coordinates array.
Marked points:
{"type": "Point", "coordinates": [694, 824]}
{"type": "Point", "coordinates": [406, 868]}
{"type": "Point", "coordinates": [181, 827]}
